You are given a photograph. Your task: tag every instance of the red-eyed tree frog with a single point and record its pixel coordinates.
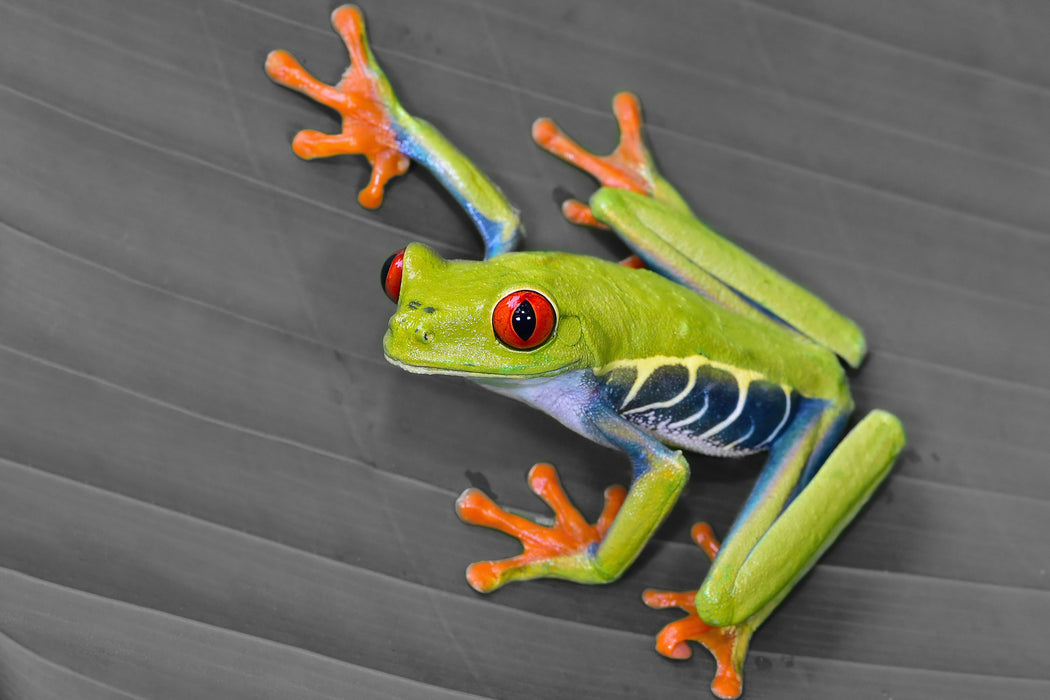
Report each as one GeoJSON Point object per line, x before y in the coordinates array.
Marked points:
{"type": "Point", "coordinates": [693, 344]}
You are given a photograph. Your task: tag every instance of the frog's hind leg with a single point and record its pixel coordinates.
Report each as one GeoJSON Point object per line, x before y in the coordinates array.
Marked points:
{"type": "Point", "coordinates": [777, 539]}
{"type": "Point", "coordinates": [645, 210]}
{"type": "Point", "coordinates": [759, 563]}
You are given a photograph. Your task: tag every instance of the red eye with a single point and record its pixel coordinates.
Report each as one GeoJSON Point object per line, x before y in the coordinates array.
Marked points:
{"type": "Point", "coordinates": [523, 320]}
{"type": "Point", "coordinates": [390, 275]}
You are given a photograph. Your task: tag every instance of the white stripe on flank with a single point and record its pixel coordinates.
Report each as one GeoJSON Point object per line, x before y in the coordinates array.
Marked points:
{"type": "Point", "coordinates": [780, 425]}
{"type": "Point", "coordinates": [691, 369]}
{"type": "Point", "coordinates": [691, 419]}
{"type": "Point", "coordinates": [740, 440]}
{"type": "Point", "coordinates": [644, 369]}
{"type": "Point", "coordinates": [741, 400]}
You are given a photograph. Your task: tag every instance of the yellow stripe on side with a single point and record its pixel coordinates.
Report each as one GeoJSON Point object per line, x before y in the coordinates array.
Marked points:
{"type": "Point", "coordinates": [645, 367]}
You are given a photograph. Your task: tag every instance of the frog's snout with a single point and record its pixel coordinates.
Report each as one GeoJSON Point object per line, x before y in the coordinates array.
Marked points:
{"type": "Point", "coordinates": [422, 335]}
{"type": "Point", "coordinates": [410, 324]}
{"type": "Point", "coordinates": [410, 337]}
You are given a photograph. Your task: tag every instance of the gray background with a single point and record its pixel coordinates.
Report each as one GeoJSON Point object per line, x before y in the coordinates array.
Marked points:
{"type": "Point", "coordinates": [211, 484]}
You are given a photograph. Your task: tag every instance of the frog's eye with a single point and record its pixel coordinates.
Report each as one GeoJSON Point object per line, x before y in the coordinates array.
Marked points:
{"type": "Point", "coordinates": [523, 320]}
{"type": "Point", "coordinates": [390, 275]}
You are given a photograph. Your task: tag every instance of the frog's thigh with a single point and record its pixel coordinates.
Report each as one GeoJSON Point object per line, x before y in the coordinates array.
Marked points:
{"type": "Point", "coordinates": [807, 527]}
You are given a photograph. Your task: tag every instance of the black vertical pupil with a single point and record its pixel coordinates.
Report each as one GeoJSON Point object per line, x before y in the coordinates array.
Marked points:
{"type": "Point", "coordinates": [524, 320]}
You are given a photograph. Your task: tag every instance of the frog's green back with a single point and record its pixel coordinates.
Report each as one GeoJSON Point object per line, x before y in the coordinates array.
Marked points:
{"type": "Point", "coordinates": [606, 313]}
{"type": "Point", "coordinates": [628, 314]}
{"type": "Point", "coordinates": [684, 248]}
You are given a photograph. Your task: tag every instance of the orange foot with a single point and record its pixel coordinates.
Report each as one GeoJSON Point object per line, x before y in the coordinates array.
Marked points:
{"type": "Point", "coordinates": [363, 98]}
{"type": "Point", "coordinates": [548, 550]}
{"type": "Point", "coordinates": [629, 167]}
{"type": "Point", "coordinates": [724, 643]}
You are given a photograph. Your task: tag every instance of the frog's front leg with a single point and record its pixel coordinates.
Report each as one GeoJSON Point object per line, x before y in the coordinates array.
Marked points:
{"type": "Point", "coordinates": [572, 549]}
{"type": "Point", "coordinates": [377, 126]}
{"type": "Point", "coordinates": [364, 100]}
{"type": "Point", "coordinates": [546, 549]}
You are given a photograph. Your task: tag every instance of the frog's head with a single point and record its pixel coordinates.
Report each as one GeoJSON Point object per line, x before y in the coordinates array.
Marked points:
{"type": "Point", "coordinates": [505, 317]}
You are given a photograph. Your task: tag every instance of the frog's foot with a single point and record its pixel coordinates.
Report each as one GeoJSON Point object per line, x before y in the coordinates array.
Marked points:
{"type": "Point", "coordinates": [362, 97]}
{"type": "Point", "coordinates": [728, 645]}
{"type": "Point", "coordinates": [563, 550]}
{"type": "Point", "coordinates": [629, 167]}
{"type": "Point", "coordinates": [634, 262]}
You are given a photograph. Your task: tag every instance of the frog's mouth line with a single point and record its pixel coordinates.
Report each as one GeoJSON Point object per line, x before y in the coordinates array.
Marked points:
{"type": "Point", "coordinates": [477, 374]}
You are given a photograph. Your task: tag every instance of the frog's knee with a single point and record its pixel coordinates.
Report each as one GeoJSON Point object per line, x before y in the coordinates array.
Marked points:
{"type": "Point", "coordinates": [885, 429]}
{"type": "Point", "coordinates": [888, 424]}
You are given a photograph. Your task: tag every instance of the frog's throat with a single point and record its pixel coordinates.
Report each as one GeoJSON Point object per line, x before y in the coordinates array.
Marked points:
{"type": "Point", "coordinates": [480, 373]}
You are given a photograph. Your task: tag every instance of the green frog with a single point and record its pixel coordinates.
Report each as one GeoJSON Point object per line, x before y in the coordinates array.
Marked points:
{"type": "Point", "coordinates": [690, 344]}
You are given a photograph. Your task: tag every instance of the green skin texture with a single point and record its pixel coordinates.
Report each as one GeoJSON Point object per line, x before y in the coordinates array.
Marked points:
{"type": "Point", "coordinates": [600, 305]}
{"type": "Point", "coordinates": [706, 304]}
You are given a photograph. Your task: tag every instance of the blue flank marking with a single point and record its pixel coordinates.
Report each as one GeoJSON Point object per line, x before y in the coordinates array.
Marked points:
{"type": "Point", "coordinates": [639, 461]}
{"type": "Point", "coordinates": [828, 441]}
{"type": "Point", "coordinates": [782, 451]}
{"type": "Point", "coordinates": [493, 231]}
